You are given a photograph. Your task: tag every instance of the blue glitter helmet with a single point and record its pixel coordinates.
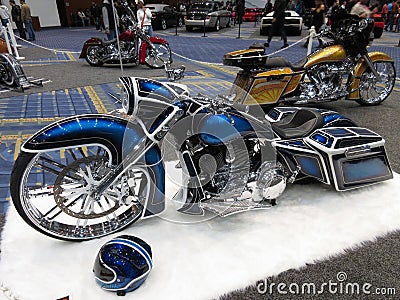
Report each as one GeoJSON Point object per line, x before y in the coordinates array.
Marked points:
{"type": "Point", "coordinates": [123, 264]}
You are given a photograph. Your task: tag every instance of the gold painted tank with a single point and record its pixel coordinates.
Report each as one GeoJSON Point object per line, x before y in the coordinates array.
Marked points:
{"type": "Point", "coordinates": [335, 53]}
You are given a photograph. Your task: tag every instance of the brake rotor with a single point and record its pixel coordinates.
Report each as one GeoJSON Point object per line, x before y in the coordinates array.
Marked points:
{"type": "Point", "coordinates": [76, 182]}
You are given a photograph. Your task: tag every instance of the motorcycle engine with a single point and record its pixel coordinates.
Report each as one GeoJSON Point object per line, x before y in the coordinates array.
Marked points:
{"type": "Point", "coordinates": [325, 81]}
{"type": "Point", "coordinates": [125, 48]}
{"type": "Point", "coordinates": [224, 173]}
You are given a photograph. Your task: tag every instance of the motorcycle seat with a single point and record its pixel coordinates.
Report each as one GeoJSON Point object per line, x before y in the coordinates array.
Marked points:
{"type": "Point", "coordinates": [105, 43]}
{"type": "Point", "coordinates": [279, 62]}
{"type": "Point", "coordinates": [299, 124]}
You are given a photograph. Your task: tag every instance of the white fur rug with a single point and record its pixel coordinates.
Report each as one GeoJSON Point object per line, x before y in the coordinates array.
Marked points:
{"type": "Point", "coordinates": [207, 259]}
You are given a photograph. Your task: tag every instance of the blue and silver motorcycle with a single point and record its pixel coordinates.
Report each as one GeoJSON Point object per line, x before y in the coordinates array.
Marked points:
{"type": "Point", "coordinates": [91, 175]}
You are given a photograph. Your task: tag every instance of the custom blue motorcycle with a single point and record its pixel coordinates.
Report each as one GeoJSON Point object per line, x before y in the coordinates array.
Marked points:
{"type": "Point", "coordinates": [92, 175]}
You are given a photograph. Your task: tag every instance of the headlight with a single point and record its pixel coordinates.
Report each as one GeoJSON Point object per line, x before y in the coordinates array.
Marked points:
{"type": "Point", "coordinates": [128, 96]}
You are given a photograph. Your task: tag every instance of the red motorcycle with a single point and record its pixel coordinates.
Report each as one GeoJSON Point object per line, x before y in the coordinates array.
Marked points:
{"type": "Point", "coordinates": [135, 46]}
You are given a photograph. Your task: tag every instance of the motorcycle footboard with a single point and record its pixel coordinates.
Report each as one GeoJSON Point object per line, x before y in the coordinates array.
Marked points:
{"type": "Point", "coordinates": [356, 156]}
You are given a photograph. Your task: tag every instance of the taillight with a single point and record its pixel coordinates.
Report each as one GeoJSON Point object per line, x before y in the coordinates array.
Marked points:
{"type": "Point", "coordinates": [208, 17]}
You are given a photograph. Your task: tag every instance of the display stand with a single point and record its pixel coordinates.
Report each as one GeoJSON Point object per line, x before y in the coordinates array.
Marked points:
{"type": "Point", "coordinates": [9, 37]}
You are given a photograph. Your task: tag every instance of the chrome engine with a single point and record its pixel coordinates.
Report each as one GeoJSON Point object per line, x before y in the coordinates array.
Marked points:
{"type": "Point", "coordinates": [127, 51]}
{"type": "Point", "coordinates": [325, 82]}
{"type": "Point", "coordinates": [239, 176]}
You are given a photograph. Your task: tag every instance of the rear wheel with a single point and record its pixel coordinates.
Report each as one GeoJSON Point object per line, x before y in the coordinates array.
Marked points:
{"type": "Point", "coordinates": [6, 74]}
{"type": "Point", "coordinates": [372, 91]}
{"type": "Point", "coordinates": [93, 57]}
{"type": "Point", "coordinates": [52, 192]}
{"type": "Point", "coordinates": [156, 58]}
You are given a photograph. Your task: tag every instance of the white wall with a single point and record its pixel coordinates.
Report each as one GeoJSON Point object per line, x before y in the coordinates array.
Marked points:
{"type": "Point", "coordinates": [46, 10]}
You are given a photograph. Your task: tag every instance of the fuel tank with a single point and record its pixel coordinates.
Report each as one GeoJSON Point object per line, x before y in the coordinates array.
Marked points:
{"type": "Point", "coordinates": [335, 53]}
{"type": "Point", "coordinates": [127, 35]}
{"type": "Point", "coordinates": [216, 129]}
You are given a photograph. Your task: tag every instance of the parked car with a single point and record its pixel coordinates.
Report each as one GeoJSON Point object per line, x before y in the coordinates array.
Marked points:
{"type": "Point", "coordinates": [252, 14]}
{"type": "Point", "coordinates": [293, 23]}
{"type": "Point", "coordinates": [211, 14]}
{"type": "Point", "coordinates": [378, 25]}
{"type": "Point", "coordinates": [164, 16]}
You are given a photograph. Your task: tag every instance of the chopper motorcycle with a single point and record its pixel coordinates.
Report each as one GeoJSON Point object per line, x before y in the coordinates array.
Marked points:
{"type": "Point", "coordinates": [91, 175]}
{"type": "Point", "coordinates": [135, 47]}
{"type": "Point", "coordinates": [343, 68]}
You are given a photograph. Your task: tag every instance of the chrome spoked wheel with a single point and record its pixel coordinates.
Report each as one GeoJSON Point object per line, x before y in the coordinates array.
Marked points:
{"type": "Point", "coordinates": [372, 91]}
{"type": "Point", "coordinates": [92, 56]}
{"type": "Point", "coordinates": [55, 193]}
{"type": "Point", "coordinates": [157, 57]}
{"type": "Point", "coordinates": [6, 75]}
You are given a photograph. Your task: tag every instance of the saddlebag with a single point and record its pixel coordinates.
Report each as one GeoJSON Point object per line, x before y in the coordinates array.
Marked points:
{"type": "Point", "coordinates": [353, 156]}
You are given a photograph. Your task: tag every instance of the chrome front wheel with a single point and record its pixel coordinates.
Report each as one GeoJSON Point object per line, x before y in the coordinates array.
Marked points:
{"type": "Point", "coordinates": [157, 57]}
{"type": "Point", "coordinates": [372, 91]}
{"type": "Point", "coordinates": [54, 193]}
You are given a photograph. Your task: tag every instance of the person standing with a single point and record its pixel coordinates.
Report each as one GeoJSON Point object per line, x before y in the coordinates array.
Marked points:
{"type": "Point", "coordinates": [338, 13]}
{"type": "Point", "coordinates": [16, 17]}
{"type": "Point", "coordinates": [290, 5]}
{"type": "Point", "coordinates": [144, 17]}
{"type": "Point", "coordinates": [384, 12]}
{"type": "Point", "coordinates": [361, 9]}
{"type": "Point", "coordinates": [26, 18]}
{"type": "Point", "coordinates": [82, 16]}
{"type": "Point", "coordinates": [4, 15]}
{"type": "Point", "coordinates": [240, 8]}
{"type": "Point", "coordinates": [108, 19]}
{"type": "Point", "coordinates": [95, 11]}
{"type": "Point", "coordinates": [278, 23]}
{"type": "Point", "coordinates": [268, 7]}
{"type": "Point", "coordinates": [318, 13]}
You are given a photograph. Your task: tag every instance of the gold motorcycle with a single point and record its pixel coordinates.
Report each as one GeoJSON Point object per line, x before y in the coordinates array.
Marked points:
{"type": "Point", "coordinates": [343, 68]}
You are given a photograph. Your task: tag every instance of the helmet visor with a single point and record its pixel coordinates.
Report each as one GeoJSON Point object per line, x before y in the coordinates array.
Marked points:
{"type": "Point", "coordinates": [102, 271]}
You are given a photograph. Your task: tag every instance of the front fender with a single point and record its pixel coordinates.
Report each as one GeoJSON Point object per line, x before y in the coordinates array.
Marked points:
{"type": "Point", "coordinates": [360, 68]}
{"type": "Point", "coordinates": [90, 42]}
{"type": "Point", "coordinates": [114, 133]}
{"type": "Point", "coordinates": [145, 45]}
{"type": "Point", "coordinates": [105, 130]}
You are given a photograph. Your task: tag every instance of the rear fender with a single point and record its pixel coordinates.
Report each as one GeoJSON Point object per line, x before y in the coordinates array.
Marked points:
{"type": "Point", "coordinates": [114, 134]}
{"type": "Point", "coordinates": [90, 42]}
{"type": "Point", "coordinates": [145, 45]}
{"type": "Point", "coordinates": [361, 66]}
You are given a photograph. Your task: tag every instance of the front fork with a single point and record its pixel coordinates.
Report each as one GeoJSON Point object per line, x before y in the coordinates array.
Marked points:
{"type": "Point", "coordinates": [138, 151]}
{"type": "Point", "coordinates": [372, 67]}
{"type": "Point", "coordinates": [133, 157]}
